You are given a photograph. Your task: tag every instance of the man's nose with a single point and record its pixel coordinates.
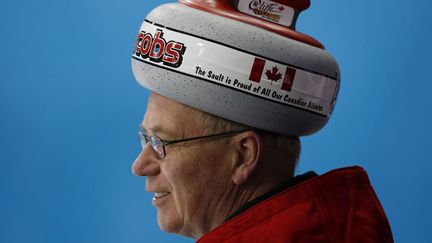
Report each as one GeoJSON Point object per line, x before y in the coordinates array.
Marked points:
{"type": "Point", "coordinates": [146, 163]}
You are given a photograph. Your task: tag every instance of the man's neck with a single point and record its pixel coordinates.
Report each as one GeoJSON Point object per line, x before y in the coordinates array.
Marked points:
{"type": "Point", "coordinates": [239, 198]}
{"type": "Point", "coordinates": [270, 193]}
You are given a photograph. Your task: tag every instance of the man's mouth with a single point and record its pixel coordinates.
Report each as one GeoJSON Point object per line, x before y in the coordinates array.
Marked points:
{"type": "Point", "coordinates": [159, 195]}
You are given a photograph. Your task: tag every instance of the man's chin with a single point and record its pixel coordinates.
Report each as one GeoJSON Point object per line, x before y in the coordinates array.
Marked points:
{"type": "Point", "coordinates": [174, 226]}
{"type": "Point", "coordinates": [168, 223]}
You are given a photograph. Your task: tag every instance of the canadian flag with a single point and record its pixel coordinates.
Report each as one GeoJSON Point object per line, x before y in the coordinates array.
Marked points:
{"type": "Point", "coordinates": [273, 72]}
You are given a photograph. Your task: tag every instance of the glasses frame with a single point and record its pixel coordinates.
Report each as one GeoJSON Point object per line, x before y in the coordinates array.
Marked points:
{"type": "Point", "coordinates": [158, 144]}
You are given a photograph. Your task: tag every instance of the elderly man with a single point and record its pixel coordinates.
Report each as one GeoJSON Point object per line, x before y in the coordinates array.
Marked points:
{"type": "Point", "coordinates": [200, 183]}
{"type": "Point", "coordinates": [220, 135]}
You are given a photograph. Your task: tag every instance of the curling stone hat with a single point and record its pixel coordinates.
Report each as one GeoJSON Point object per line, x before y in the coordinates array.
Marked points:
{"type": "Point", "coordinates": [240, 60]}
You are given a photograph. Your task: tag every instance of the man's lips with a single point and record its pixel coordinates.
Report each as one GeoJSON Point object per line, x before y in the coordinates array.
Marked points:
{"type": "Point", "coordinates": [159, 192]}
{"type": "Point", "coordinates": [160, 195]}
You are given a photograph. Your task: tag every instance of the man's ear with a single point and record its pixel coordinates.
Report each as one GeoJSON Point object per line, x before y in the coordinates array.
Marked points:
{"type": "Point", "coordinates": [248, 148]}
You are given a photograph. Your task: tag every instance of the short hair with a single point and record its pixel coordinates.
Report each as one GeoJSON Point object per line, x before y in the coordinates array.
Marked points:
{"type": "Point", "coordinates": [287, 148]}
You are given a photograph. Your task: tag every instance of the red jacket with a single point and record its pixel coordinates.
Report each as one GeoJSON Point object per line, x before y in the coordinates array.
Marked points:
{"type": "Point", "coordinates": [339, 206]}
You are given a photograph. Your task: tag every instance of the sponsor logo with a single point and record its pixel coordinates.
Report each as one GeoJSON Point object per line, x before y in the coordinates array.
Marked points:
{"type": "Point", "coordinates": [269, 10]}
{"type": "Point", "coordinates": [157, 49]}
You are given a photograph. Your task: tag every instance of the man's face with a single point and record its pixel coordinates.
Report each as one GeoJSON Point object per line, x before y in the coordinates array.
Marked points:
{"type": "Point", "coordinates": [190, 182]}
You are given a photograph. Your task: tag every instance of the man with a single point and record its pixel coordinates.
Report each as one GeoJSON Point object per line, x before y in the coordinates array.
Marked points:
{"type": "Point", "coordinates": [222, 170]}
{"type": "Point", "coordinates": [200, 183]}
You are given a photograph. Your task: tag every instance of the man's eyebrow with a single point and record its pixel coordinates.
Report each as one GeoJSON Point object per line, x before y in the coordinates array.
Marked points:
{"type": "Point", "coordinates": [159, 131]}
{"type": "Point", "coordinates": [142, 127]}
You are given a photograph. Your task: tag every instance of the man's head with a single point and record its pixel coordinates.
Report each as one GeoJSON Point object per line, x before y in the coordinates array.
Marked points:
{"type": "Point", "coordinates": [201, 182]}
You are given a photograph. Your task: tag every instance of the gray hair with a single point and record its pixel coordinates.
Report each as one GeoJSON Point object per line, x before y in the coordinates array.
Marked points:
{"type": "Point", "coordinates": [286, 148]}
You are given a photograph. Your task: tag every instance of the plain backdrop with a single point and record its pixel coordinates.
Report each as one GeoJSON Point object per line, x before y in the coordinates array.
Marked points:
{"type": "Point", "coordinates": [70, 109]}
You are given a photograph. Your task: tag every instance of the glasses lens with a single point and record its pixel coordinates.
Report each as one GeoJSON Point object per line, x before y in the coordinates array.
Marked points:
{"type": "Point", "coordinates": [143, 139]}
{"type": "Point", "coordinates": [158, 146]}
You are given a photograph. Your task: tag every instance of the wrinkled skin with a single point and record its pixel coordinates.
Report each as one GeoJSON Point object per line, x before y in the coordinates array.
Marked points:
{"type": "Point", "coordinates": [197, 175]}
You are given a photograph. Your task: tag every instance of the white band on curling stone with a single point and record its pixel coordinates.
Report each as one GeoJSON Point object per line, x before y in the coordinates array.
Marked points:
{"type": "Point", "coordinates": [227, 66]}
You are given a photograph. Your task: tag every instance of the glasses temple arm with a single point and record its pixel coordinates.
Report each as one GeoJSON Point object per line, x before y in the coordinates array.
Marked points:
{"type": "Point", "coordinates": [202, 137]}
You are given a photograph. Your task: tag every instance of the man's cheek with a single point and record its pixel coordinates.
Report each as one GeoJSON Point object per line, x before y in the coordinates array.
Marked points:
{"type": "Point", "coordinates": [176, 172]}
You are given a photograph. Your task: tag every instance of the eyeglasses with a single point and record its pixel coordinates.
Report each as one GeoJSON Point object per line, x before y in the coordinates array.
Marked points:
{"type": "Point", "coordinates": [158, 144]}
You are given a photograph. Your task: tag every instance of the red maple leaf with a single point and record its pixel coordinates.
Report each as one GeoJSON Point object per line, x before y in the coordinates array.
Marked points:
{"type": "Point", "coordinates": [273, 75]}
{"type": "Point", "coordinates": [281, 8]}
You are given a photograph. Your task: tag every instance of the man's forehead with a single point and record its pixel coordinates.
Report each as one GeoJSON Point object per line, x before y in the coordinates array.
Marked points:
{"type": "Point", "coordinates": [168, 117]}
{"type": "Point", "coordinates": [154, 97]}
